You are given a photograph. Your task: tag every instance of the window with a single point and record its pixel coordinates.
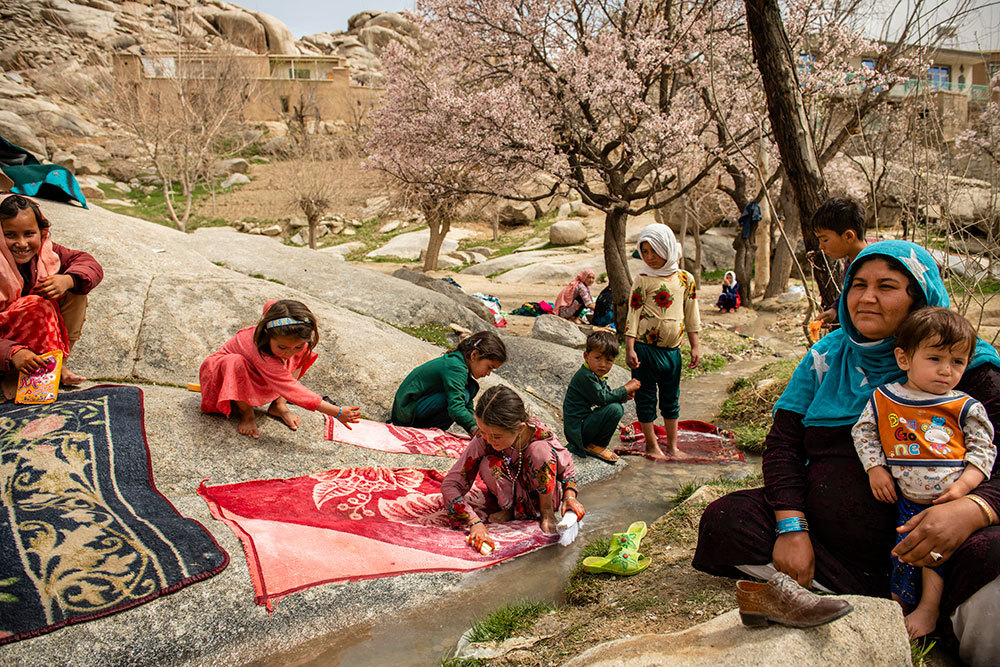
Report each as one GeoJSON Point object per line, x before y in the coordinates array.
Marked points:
{"type": "Point", "coordinates": [994, 70]}
{"type": "Point", "coordinates": [939, 76]}
{"type": "Point", "coordinates": [301, 74]}
{"type": "Point", "coordinates": [284, 105]}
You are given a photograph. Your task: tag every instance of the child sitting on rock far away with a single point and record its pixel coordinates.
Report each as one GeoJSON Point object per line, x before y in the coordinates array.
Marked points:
{"type": "Point", "coordinates": [729, 300]}
{"type": "Point", "coordinates": [839, 225]}
{"type": "Point", "coordinates": [43, 288]}
{"type": "Point", "coordinates": [591, 409]}
{"type": "Point", "coordinates": [662, 307]}
{"type": "Point", "coordinates": [263, 364]}
{"type": "Point", "coordinates": [935, 442]}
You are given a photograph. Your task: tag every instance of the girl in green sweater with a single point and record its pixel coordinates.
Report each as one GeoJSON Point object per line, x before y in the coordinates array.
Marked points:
{"type": "Point", "coordinates": [439, 393]}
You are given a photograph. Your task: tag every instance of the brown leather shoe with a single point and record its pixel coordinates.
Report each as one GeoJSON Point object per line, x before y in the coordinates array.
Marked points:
{"type": "Point", "coordinates": [782, 600]}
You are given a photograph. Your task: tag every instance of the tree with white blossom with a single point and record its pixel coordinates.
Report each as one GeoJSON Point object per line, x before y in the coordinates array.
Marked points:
{"type": "Point", "coordinates": [593, 92]}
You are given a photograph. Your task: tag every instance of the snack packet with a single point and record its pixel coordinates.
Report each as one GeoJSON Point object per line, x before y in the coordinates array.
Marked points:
{"type": "Point", "coordinates": [815, 330]}
{"type": "Point", "coordinates": [42, 386]}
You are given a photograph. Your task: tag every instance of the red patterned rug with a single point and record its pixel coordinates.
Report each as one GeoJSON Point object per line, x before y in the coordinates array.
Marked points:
{"type": "Point", "coordinates": [397, 439]}
{"type": "Point", "coordinates": [702, 442]}
{"type": "Point", "coordinates": [353, 524]}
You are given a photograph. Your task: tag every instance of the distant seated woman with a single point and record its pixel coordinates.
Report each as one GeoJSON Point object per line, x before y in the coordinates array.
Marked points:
{"type": "Point", "coordinates": [576, 296]}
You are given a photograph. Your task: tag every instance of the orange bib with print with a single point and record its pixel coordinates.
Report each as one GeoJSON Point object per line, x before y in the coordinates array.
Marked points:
{"type": "Point", "coordinates": [926, 432]}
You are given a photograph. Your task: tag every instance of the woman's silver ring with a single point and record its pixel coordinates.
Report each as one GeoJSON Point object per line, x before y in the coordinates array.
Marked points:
{"type": "Point", "coordinates": [936, 556]}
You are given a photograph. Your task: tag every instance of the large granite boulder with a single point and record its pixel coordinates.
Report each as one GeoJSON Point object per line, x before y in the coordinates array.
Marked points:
{"type": "Point", "coordinates": [567, 232]}
{"type": "Point", "coordinates": [17, 132]}
{"type": "Point", "coordinates": [873, 634]}
{"type": "Point", "coordinates": [512, 261]}
{"type": "Point", "coordinates": [377, 295]}
{"type": "Point", "coordinates": [555, 329]}
{"type": "Point", "coordinates": [242, 29]}
{"type": "Point", "coordinates": [279, 37]}
{"type": "Point", "coordinates": [456, 294]}
{"type": "Point", "coordinates": [410, 245]}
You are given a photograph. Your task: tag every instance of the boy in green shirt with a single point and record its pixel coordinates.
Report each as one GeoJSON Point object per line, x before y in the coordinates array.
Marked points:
{"type": "Point", "coordinates": [591, 409]}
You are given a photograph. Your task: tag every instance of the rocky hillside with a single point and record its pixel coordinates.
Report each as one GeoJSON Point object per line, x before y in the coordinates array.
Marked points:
{"type": "Point", "coordinates": [48, 78]}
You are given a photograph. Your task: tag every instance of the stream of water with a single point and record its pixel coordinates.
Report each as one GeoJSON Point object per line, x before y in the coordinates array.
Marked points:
{"type": "Point", "coordinates": [426, 633]}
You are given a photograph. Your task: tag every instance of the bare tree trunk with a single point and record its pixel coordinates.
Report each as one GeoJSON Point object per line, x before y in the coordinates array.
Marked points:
{"type": "Point", "coordinates": [789, 121]}
{"type": "Point", "coordinates": [616, 264]}
{"type": "Point", "coordinates": [781, 269]}
{"type": "Point", "coordinates": [762, 260]}
{"type": "Point", "coordinates": [697, 254]}
{"type": "Point", "coordinates": [313, 226]}
{"type": "Point", "coordinates": [438, 230]}
{"type": "Point", "coordinates": [745, 251]}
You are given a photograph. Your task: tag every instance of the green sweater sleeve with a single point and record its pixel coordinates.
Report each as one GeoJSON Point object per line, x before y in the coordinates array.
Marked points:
{"type": "Point", "coordinates": [455, 378]}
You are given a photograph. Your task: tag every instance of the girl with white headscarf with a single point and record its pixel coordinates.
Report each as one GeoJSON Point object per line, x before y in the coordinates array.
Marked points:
{"type": "Point", "coordinates": [663, 305]}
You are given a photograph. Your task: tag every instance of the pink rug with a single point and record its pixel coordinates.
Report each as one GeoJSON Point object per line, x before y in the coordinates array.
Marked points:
{"type": "Point", "coordinates": [353, 524]}
{"type": "Point", "coordinates": [704, 443]}
{"type": "Point", "coordinates": [397, 439]}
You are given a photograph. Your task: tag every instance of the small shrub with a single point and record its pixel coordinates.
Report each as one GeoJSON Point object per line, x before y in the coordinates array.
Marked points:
{"type": "Point", "coordinates": [747, 411]}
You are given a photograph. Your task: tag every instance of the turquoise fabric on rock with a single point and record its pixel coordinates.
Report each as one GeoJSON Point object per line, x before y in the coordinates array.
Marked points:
{"type": "Point", "coordinates": [836, 378]}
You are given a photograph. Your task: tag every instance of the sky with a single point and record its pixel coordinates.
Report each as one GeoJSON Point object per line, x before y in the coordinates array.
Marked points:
{"type": "Point", "coordinates": [306, 17]}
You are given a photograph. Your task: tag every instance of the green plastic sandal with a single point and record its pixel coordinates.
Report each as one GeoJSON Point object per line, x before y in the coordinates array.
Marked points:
{"type": "Point", "coordinates": [629, 540]}
{"type": "Point", "coordinates": [625, 563]}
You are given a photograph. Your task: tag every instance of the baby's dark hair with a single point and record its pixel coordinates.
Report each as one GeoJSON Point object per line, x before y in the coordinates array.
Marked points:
{"type": "Point", "coordinates": [501, 407]}
{"type": "Point", "coordinates": [301, 324]}
{"type": "Point", "coordinates": [936, 327]}
{"type": "Point", "coordinates": [604, 342]}
{"type": "Point", "coordinates": [840, 214]}
{"type": "Point", "coordinates": [12, 206]}
{"type": "Point", "coordinates": [486, 343]}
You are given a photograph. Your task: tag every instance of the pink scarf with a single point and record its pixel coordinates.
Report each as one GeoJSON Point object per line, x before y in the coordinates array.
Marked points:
{"type": "Point", "coordinates": [11, 282]}
{"type": "Point", "coordinates": [566, 295]}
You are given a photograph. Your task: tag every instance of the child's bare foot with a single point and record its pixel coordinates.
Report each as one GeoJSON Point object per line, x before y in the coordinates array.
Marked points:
{"type": "Point", "coordinates": [248, 422]}
{"type": "Point", "coordinates": [500, 517]}
{"type": "Point", "coordinates": [655, 453]}
{"type": "Point", "coordinates": [71, 379]}
{"type": "Point", "coordinates": [548, 524]}
{"type": "Point", "coordinates": [921, 621]}
{"type": "Point", "coordinates": [279, 409]}
{"type": "Point", "coordinates": [248, 426]}
{"type": "Point", "coordinates": [676, 453]}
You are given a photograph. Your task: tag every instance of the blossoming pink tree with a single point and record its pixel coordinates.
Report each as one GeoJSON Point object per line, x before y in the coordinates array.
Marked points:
{"type": "Point", "coordinates": [592, 92]}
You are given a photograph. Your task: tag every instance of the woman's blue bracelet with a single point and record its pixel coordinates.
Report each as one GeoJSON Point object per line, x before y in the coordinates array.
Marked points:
{"type": "Point", "coordinates": [339, 411]}
{"type": "Point", "coordinates": [793, 524]}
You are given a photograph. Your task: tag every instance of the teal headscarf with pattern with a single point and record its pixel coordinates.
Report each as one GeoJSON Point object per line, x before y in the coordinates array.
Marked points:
{"type": "Point", "coordinates": [834, 381]}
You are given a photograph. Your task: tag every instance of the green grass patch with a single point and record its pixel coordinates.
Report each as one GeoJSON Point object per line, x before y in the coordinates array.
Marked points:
{"type": "Point", "coordinates": [959, 286]}
{"type": "Point", "coordinates": [919, 648]}
{"type": "Point", "coordinates": [508, 620]}
{"type": "Point", "coordinates": [583, 588]}
{"type": "Point", "coordinates": [152, 206]}
{"type": "Point", "coordinates": [713, 276]}
{"type": "Point", "coordinates": [464, 662]}
{"type": "Point", "coordinates": [260, 276]}
{"type": "Point", "coordinates": [710, 363]}
{"type": "Point", "coordinates": [432, 332]}
{"type": "Point", "coordinates": [747, 411]}
{"type": "Point", "coordinates": [729, 484]}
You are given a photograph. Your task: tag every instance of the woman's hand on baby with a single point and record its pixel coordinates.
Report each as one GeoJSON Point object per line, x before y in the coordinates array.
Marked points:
{"type": "Point", "coordinates": [572, 505]}
{"type": "Point", "coordinates": [883, 488]}
{"type": "Point", "coordinates": [26, 361]}
{"type": "Point", "coordinates": [939, 529]}
{"type": "Point", "coordinates": [53, 287]}
{"type": "Point", "coordinates": [350, 414]}
{"type": "Point", "coordinates": [793, 554]}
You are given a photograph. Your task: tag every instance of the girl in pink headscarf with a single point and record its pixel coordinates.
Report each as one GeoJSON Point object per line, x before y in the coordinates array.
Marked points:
{"type": "Point", "coordinates": [576, 296]}
{"type": "Point", "coordinates": [43, 289]}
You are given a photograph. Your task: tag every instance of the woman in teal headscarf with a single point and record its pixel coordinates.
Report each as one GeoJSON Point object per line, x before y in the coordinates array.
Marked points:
{"type": "Point", "coordinates": [811, 469]}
